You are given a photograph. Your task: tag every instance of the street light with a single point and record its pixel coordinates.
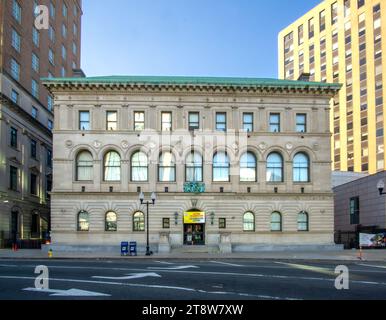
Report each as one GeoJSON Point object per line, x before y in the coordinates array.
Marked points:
{"type": "Point", "coordinates": [381, 187]}
{"type": "Point", "coordinates": [142, 199]}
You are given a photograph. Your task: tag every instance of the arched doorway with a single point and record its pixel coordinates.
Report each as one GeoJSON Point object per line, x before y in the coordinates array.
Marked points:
{"type": "Point", "coordinates": [194, 227]}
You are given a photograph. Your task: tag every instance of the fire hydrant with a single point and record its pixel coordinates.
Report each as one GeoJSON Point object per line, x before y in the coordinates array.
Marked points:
{"type": "Point", "coordinates": [50, 254]}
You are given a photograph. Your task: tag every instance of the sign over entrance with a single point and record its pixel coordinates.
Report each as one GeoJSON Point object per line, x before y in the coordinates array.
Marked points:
{"type": "Point", "coordinates": [194, 217]}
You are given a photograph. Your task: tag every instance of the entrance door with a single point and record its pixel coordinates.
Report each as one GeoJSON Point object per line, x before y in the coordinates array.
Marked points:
{"type": "Point", "coordinates": [194, 234]}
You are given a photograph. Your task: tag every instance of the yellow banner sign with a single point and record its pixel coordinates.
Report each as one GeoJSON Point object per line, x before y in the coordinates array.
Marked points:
{"type": "Point", "coordinates": [194, 217]}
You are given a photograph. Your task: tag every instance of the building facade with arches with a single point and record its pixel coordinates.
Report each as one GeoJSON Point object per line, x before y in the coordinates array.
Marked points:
{"type": "Point", "coordinates": [237, 164]}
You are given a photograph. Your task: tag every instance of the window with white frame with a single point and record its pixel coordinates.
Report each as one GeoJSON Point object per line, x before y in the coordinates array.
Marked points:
{"type": "Point", "coordinates": [112, 166]}
{"type": "Point", "coordinates": [84, 166]}
{"type": "Point", "coordinates": [139, 167]}
{"type": "Point", "coordinates": [167, 167]}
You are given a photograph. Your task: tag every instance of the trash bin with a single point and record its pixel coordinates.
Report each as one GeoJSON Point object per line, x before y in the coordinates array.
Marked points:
{"type": "Point", "coordinates": [133, 248]}
{"type": "Point", "coordinates": [124, 248]}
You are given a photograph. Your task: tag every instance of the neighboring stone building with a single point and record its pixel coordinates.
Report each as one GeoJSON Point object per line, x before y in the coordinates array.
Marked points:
{"type": "Point", "coordinates": [26, 110]}
{"type": "Point", "coordinates": [241, 163]}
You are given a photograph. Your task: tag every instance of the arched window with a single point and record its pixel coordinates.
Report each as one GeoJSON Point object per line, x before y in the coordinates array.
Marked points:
{"type": "Point", "coordinates": [248, 167]}
{"type": "Point", "coordinates": [84, 166]}
{"type": "Point", "coordinates": [221, 167]}
{"type": "Point", "coordinates": [138, 221]}
{"type": "Point", "coordinates": [167, 167]}
{"type": "Point", "coordinates": [112, 166]}
{"type": "Point", "coordinates": [83, 221]}
{"type": "Point", "coordinates": [111, 221]}
{"type": "Point", "coordinates": [303, 222]}
{"type": "Point", "coordinates": [275, 167]}
{"type": "Point", "coordinates": [301, 168]}
{"type": "Point", "coordinates": [249, 221]}
{"type": "Point", "coordinates": [193, 168]}
{"type": "Point", "coordinates": [276, 222]}
{"type": "Point", "coordinates": [139, 166]}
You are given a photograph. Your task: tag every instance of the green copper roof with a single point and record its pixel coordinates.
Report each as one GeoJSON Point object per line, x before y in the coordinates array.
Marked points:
{"type": "Point", "coordinates": [165, 80]}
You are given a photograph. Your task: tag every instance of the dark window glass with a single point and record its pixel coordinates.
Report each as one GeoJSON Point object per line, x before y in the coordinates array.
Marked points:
{"type": "Point", "coordinates": [354, 210]}
{"type": "Point", "coordinates": [84, 120]}
{"type": "Point", "coordinates": [222, 224]}
{"type": "Point", "coordinates": [13, 178]}
{"type": "Point", "coordinates": [33, 149]}
{"type": "Point", "coordinates": [33, 184]}
{"type": "Point", "coordinates": [166, 223]}
{"type": "Point", "coordinates": [13, 137]}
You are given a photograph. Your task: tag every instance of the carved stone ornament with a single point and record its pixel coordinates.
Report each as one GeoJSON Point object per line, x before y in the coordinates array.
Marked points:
{"type": "Point", "coordinates": [97, 144]}
{"type": "Point", "coordinates": [289, 146]}
{"type": "Point", "coordinates": [263, 146]}
{"type": "Point", "coordinates": [124, 144]}
{"type": "Point", "coordinates": [69, 143]}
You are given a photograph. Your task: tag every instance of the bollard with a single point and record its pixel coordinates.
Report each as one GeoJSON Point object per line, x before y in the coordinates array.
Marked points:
{"type": "Point", "coordinates": [50, 253]}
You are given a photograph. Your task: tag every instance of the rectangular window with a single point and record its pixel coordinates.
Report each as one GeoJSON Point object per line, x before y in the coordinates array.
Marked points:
{"type": "Point", "coordinates": [248, 122]}
{"type": "Point", "coordinates": [13, 178]}
{"type": "Point", "coordinates": [222, 223]}
{"type": "Point", "coordinates": [15, 69]}
{"type": "Point", "coordinates": [52, 10]}
{"type": "Point", "coordinates": [194, 121]}
{"type": "Point", "coordinates": [64, 52]}
{"type": "Point", "coordinates": [111, 120]}
{"type": "Point", "coordinates": [139, 121]}
{"type": "Point", "coordinates": [274, 122]}
{"type": "Point", "coordinates": [300, 34]}
{"type": "Point", "coordinates": [34, 112]}
{"type": "Point", "coordinates": [50, 103]}
{"type": "Point", "coordinates": [165, 223]}
{"type": "Point", "coordinates": [64, 31]}
{"type": "Point", "coordinates": [14, 96]}
{"type": "Point", "coordinates": [84, 120]}
{"type": "Point", "coordinates": [35, 37]}
{"type": "Point", "coordinates": [334, 13]}
{"type": "Point", "coordinates": [16, 11]}
{"type": "Point", "coordinates": [361, 3]}
{"type": "Point", "coordinates": [347, 9]}
{"type": "Point", "coordinates": [35, 62]}
{"type": "Point", "coordinates": [50, 125]}
{"type": "Point", "coordinates": [35, 88]}
{"type": "Point", "coordinates": [33, 184]}
{"type": "Point", "coordinates": [354, 210]}
{"type": "Point", "coordinates": [221, 121]}
{"type": "Point", "coordinates": [51, 34]}
{"type": "Point", "coordinates": [49, 158]}
{"type": "Point", "coordinates": [166, 121]}
{"type": "Point", "coordinates": [301, 122]}
{"type": "Point", "coordinates": [13, 137]}
{"type": "Point", "coordinates": [16, 40]}
{"type": "Point", "coordinates": [64, 11]}
{"type": "Point", "coordinates": [74, 29]}
{"type": "Point", "coordinates": [63, 72]}
{"type": "Point", "coordinates": [33, 149]}
{"type": "Point", "coordinates": [51, 57]}
{"type": "Point", "coordinates": [311, 30]}
{"type": "Point", "coordinates": [322, 20]}
{"type": "Point", "coordinates": [74, 48]}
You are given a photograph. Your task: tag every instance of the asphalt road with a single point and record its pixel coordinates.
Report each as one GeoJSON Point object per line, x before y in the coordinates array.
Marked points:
{"type": "Point", "coordinates": [144, 279]}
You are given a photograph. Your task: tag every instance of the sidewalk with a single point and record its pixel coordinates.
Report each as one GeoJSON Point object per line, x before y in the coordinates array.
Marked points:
{"type": "Point", "coordinates": [347, 255]}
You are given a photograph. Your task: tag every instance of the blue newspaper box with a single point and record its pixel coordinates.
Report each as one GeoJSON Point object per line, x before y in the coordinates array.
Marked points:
{"type": "Point", "coordinates": [124, 248]}
{"type": "Point", "coordinates": [133, 248]}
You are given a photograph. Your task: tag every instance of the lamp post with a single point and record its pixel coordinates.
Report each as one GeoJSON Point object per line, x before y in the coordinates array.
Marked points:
{"type": "Point", "coordinates": [381, 187]}
{"type": "Point", "coordinates": [142, 199]}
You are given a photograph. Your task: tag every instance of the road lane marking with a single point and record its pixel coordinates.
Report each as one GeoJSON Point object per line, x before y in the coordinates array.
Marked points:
{"type": "Point", "coordinates": [157, 287]}
{"type": "Point", "coordinates": [68, 293]}
{"type": "Point", "coordinates": [308, 268]}
{"type": "Point", "coordinates": [227, 264]}
{"type": "Point", "coordinates": [173, 268]}
{"type": "Point", "coordinates": [207, 272]}
{"type": "Point", "coordinates": [369, 265]}
{"type": "Point", "coordinates": [164, 262]}
{"type": "Point", "coordinates": [8, 266]}
{"type": "Point", "coordinates": [131, 276]}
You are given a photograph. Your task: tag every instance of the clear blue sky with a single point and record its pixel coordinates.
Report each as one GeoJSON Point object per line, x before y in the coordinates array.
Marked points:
{"type": "Point", "coordinates": [185, 37]}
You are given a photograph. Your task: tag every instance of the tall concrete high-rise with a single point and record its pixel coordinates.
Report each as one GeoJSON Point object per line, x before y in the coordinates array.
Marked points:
{"type": "Point", "coordinates": [345, 41]}
{"type": "Point", "coordinates": [27, 54]}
